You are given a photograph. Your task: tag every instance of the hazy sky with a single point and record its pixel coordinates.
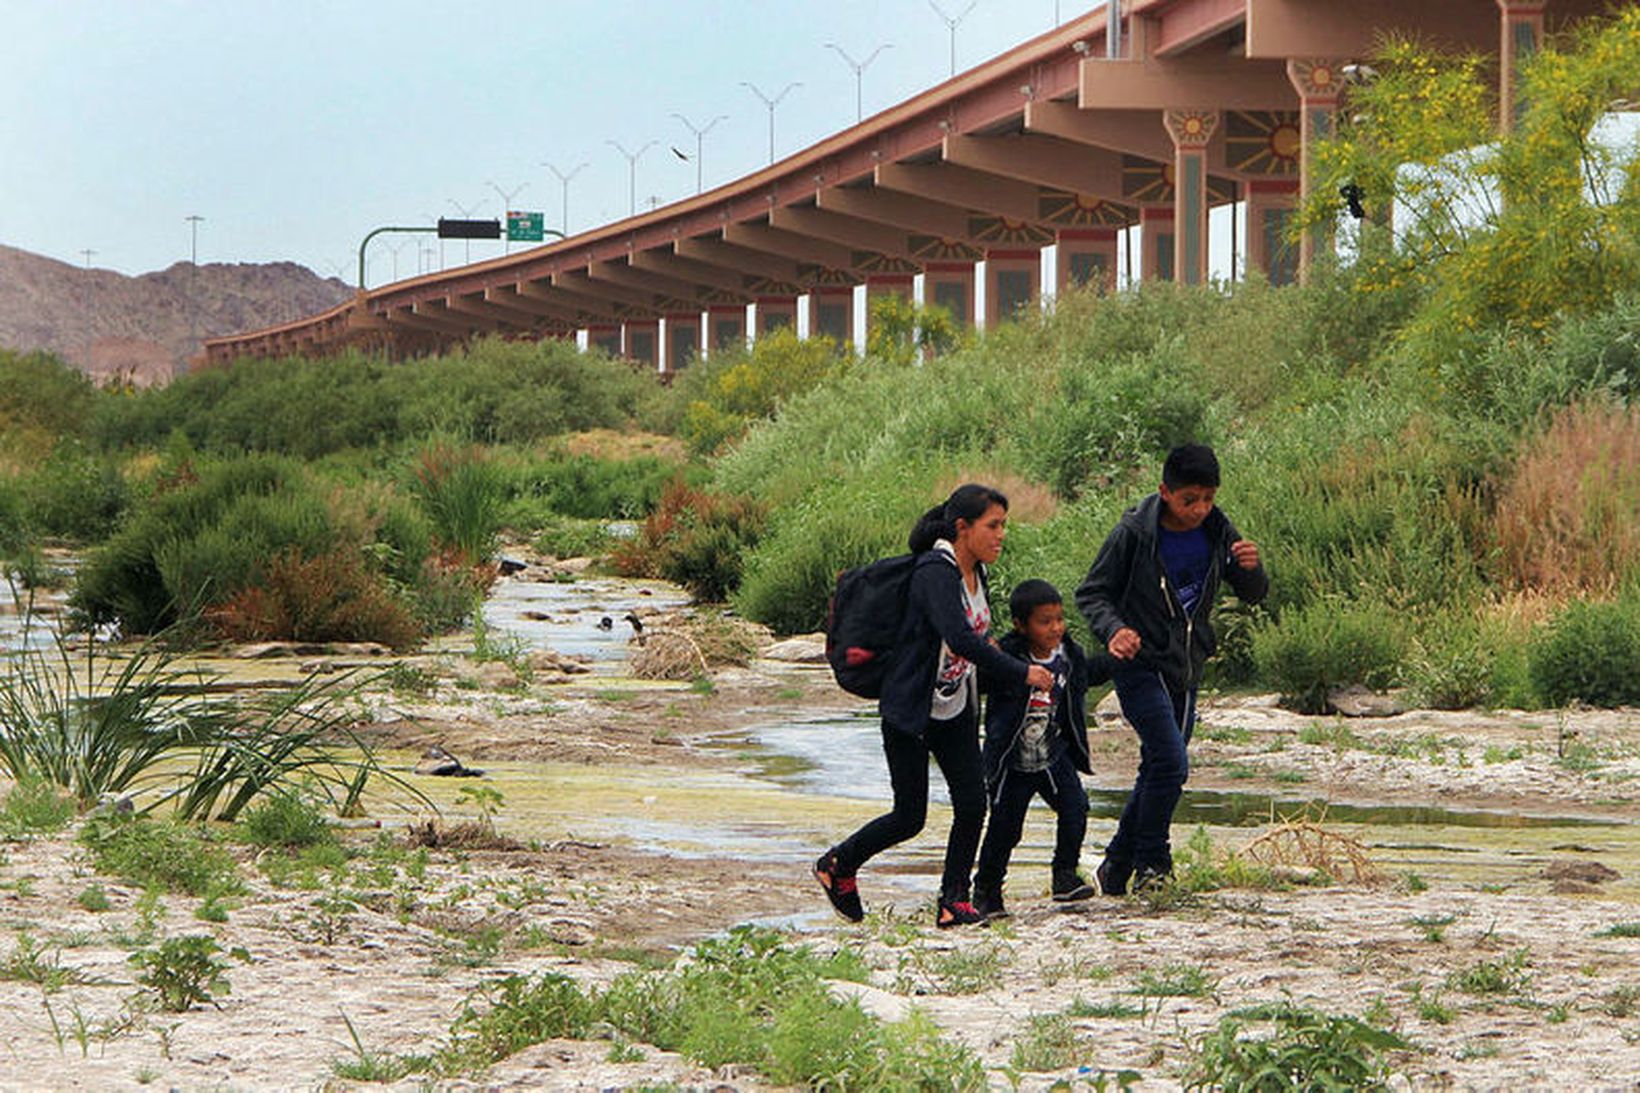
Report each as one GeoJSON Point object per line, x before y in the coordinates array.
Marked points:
{"type": "Point", "coordinates": [296, 127]}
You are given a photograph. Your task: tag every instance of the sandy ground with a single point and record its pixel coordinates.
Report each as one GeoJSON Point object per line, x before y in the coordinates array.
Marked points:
{"type": "Point", "coordinates": [578, 897]}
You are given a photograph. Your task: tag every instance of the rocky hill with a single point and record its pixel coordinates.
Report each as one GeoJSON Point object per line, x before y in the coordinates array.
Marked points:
{"type": "Point", "coordinates": [143, 329]}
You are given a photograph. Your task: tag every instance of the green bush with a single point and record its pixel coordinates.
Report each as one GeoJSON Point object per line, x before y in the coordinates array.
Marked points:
{"type": "Point", "coordinates": [1315, 649]}
{"type": "Point", "coordinates": [695, 538]}
{"type": "Point", "coordinates": [587, 487]}
{"type": "Point", "coordinates": [40, 393]}
{"type": "Point", "coordinates": [461, 492]}
{"type": "Point", "coordinates": [33, 806]}
{"type": "Point", "coordinates": [285, 820]}
{"type": "Point", "coordinates": [729, 390]}
{"type": "Point", "coordinates": [1451, 663]}
{"type": "Point", "coordinates": [1589, 654]}
{"type": "Point", "coordinates": [182, 971]}
{"type": "Point", "coordinates": [74, 494]}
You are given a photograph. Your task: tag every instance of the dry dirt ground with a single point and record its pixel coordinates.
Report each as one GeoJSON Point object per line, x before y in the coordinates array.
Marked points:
{"type": "Point", "coordinates": [1525, 911]}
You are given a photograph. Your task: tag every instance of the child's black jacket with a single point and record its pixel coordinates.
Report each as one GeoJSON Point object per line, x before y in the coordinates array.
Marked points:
{"type": "Point", "coordinates": [1006, 701]}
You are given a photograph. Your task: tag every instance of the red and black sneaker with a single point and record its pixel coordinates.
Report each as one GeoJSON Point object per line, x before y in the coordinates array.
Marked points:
{"type": "Point", "coordinates": [958, 913]}
{"type": "Point", "coordinates": [841, 888]}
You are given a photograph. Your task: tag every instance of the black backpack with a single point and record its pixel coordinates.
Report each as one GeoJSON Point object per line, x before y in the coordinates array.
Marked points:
{"type": "Point", "coordinates": [863, 622]}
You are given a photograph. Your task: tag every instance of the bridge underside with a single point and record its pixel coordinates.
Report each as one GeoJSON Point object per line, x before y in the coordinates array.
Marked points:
{"type": "Point", "coordinates": [1210, 103]}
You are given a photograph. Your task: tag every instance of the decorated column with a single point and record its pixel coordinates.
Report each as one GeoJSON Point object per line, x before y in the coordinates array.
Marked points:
{"type": "Point", "coordinates": [776, 313]}
{"type": "Point", "coordinates": [1013, 284]}
{"type": "Point", "coordinates": [1156, 248]}
{"type": "Point", "coordinates": [640, 342]}
{"type": "Point", "coordinates": [725, 327]}
{"type": "Point", "coordinates": [1085, 256]}
{"type": "Point", "coordinates": [1270, 204]}
{"type": "Point", "coordinates": [951, 285]}
{"type": "Point", "coordinates": [605, 336]}
{"type": "Point", "coordinates": [682, 340]}
{"type": "Point", "coordinates": [1318, 82]}
{"type": "Point", "coordinates": [831, 314]}
{"type": "Point", "coordinates": [1190, 130]}
{"type": "Point", "coordinates": [1522, 34]}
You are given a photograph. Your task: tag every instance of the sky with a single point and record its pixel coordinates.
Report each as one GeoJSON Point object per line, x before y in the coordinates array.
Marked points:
{"type": "Point", "coordinates": [295, 128]}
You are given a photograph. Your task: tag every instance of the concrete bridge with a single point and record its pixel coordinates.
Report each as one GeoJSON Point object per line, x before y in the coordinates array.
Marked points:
{"type": "Point", "coordinates": [1147, 120]}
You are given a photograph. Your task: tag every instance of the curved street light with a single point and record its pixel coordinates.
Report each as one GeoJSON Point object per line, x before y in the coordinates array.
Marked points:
{"type": "Point", "coordinates": [771, 104]}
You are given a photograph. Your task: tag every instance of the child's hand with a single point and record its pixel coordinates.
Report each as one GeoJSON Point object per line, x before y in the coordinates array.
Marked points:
{"type": "Point", "coordinates": [1039, 678]}
{"type": "Point", "coordinates": [1245, 552]}
{"type": "Point", "coordinates": [1124, 643]}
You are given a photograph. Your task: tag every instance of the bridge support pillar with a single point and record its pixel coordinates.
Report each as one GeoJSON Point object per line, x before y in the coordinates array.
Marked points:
{"type": "Point", "coordinates": [1086, 256]}
{"type": "Point", "coordinates": [1269, 211]}
{"type": "Point", "coordinates": [1013, 284]}
{"type": "Point", "coordinates": [1318, 80]}
{"type": "Point", "coordinates": [640, 342]}
{"type": "Point", "coordinates": [1156, 252]}
{"type": "Point", "coordinates": [831, 314]}
{"type": "Point", "coordinates": [951, 285]}
{"type": "Point", "coordinates": [1190, 130]}
{"type": "Point", "coordinates": [682, 340]}
{"type": "Point", "coordinates": [1522, 34]}
{"type": "Point", "coordinates": [776, 313]}
{"type": "Point", "coordinates": [606, 337]}
{"type": "Point", "coordinates": [725, 328]}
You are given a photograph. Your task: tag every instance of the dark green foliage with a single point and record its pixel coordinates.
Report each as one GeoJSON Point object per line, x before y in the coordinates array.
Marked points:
{"type": "Point", "coordinates": [74, 494]}
{"type": "Point", "coordinates": [491, 392]}
{"type": "Point", "coordinates": [512, 1015]}
{"type": "Point", "coordinates": [1317, 648]}
{"type": "Point", "coordinates": [39, 392]}
{"type": "Point", "coordinates": [1590, 654]}
{"type": "Point", "coordinates": [1303, 1049]}
{"type": "Point", "coordinates": [589, 488]}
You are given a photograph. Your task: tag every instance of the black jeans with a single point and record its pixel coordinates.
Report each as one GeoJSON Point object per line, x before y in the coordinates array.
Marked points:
{"type": "Point", "coordinates": [1058, 785]}
{"type": "Point", "coordinates": [1163, 721]}
{"type": "Point", "coordinates": [954, 745]}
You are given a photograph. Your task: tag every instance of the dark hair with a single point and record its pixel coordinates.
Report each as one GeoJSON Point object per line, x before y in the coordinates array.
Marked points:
{"type": "Point", "coordinates": [1190, 465]}
{"type": "Point", "coordinates": [1029, 595]}
{"type": "Point", "coordinates": [968, 502]}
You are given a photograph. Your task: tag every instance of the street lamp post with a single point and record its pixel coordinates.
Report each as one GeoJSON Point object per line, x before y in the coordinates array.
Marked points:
{"type": "Point", "coordinates": [563, 180]}
{"type": "Point", "coordinates": [952, 24]}
{"type": "Point", "coordinates": [771, 104]}
{"type": "Point", "coordinates": [632, 172]}
{"type": "Point", "coordinates": [193, 278]}
{"type": "Point", "coordinates": [700, 138]}
{"type": "Point", "coordinates": [506, 207]}
{"type": "Point", "coordinates": [467, 213]}
{"type": "Point", "coordinates": [859, 67]}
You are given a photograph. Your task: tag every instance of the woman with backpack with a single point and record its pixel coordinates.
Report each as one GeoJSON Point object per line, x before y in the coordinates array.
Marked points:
{"type": "Point", "coordinates": [930, 704]}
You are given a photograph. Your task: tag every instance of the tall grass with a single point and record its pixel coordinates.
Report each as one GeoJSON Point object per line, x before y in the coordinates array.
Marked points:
{"type": "Point", "coordinates": [461, 492]}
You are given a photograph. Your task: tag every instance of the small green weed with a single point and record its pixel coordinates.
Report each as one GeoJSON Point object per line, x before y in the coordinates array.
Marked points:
{"type": "Point", "coordinates": [28, 962]}
{"type": "Point", "coordinates": [183, 971]}
{"type": "Point", "coordinates": [35, 806]}
{"type": "Point", "coordinates": [1047, 1042]}
{"type": "Point", "coordinates": [1176, 980]}
{"type": "Point", "coordinates": [283, 819]}
{"type": "Point", "coordinates": [1620, 929]}
{"type": "Point", "coordinates": [1506, 976]}
{"type": "Point", "coordinates": [1115, 1008]}
{"type": "Point", "coordinates": [1303, 1049]}
{"type": "Point", "coordinates": [93, 898]}
{"type": "Point", "coordinates": [1433, 926]}
{"type": "Point", "coordinates": [169, 855]}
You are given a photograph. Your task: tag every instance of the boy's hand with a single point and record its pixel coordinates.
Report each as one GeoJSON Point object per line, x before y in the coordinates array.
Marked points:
{"type": "Point", "coordinates": [1039, 678]}
{"type": "Point", "coordinates": [1124, 643]}
{"type": "Point", "coordinates": [1245, 552]}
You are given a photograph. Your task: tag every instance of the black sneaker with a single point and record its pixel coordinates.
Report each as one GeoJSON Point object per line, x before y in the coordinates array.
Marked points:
{"type": "Point", "coordinates": [1112, 878]}
{"type": "Point", "coordinates": [989, 904]}
{"type": "Point", "coordinates": [840, 887]}
{"type": "Point", "coordinates": [958, 913]}
{"type": "Point", "coordinates": [1068, 887]}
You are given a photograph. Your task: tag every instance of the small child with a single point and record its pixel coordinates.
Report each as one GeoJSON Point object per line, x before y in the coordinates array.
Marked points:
{"type": "Point", "coordinates": [1035, 743]}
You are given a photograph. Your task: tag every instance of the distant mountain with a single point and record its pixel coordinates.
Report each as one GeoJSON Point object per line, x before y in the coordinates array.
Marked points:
{"type": "Point", "coordinates": [145, 328]}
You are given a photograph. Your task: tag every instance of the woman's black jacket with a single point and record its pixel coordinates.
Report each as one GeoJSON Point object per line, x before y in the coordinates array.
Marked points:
{"type": "Point", "coordinates": [1007, 701]}
{"type": "Point", "coordinates": [1127, 586]}
{"type": "Point", "coordinates": [934, 614]}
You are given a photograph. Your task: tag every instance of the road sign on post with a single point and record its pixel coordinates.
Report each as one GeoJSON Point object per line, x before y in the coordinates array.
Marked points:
{"type": "Point", "coordinates": [524, 227]}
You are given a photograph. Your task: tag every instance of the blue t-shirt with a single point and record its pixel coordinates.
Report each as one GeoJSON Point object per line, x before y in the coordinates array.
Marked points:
{"type": "Point", "coordinates": [1185, 556]}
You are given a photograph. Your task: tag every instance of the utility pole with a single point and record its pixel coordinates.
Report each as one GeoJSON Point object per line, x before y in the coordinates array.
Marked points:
{"type": "Point", "coordinates": [193, 278]}
{"type": "Point", "coordinates": [771, 104]}
{"type": "Point", "coordinates": [859, 67]}
{"type": "Point", "coordinates": [632, 172]}
{"type": "Point", "coordinates": [700, 137]}
{"type": "Point", "coordinates": [88, 252]}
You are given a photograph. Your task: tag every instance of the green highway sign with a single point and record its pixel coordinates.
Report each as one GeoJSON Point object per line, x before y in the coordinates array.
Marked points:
{"type": "Point", "coordinates": [524, 227]}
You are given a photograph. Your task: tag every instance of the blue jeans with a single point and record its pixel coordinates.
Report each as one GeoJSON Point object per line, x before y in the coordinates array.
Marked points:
{"type": "Point", "coordinates": [954, 745]}
{"type": "Point", "coordinates": [1163, 720]}
{"type": "Point", "coordinates": [1061, 787]}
